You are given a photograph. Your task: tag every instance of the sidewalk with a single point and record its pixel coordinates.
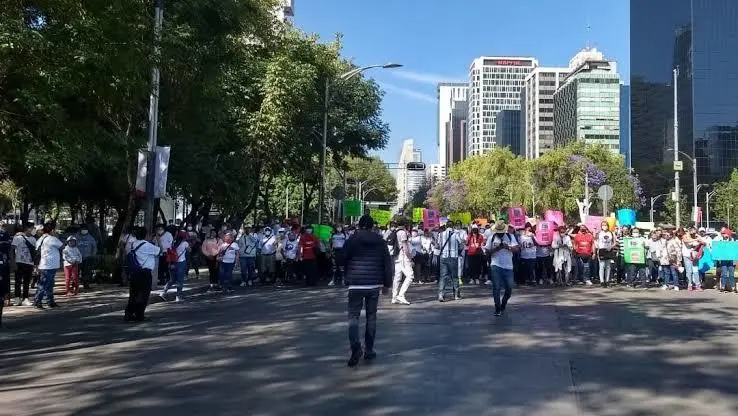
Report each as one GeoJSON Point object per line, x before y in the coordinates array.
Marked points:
{"type": "Point", "coordinates": [102, 298]}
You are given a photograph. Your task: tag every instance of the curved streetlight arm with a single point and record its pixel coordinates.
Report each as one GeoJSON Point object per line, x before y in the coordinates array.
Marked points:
{"type": "Point", "coordinates": [687, 155]}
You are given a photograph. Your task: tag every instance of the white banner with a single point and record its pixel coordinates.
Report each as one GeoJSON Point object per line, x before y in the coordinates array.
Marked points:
{"type": "Point", "coordinates": [162, 169]}
{"type": "Point", "coordinates": [141, 173]}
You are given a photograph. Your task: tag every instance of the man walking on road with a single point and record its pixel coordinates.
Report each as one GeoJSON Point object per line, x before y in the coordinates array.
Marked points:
{"type": "Point", "coordinates": [400, 247]}
{"type": "Point", "coordinates": [451, 243]}
{"type": "Point", "coordinates": [501, 247]}
{"type": "Point", "coordinates": [141, 262]}
{"type": "Point", "coordinates": [368, 269]}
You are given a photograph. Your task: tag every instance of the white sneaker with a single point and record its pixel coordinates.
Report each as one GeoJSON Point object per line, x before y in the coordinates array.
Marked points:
{"type": "Point", "coordinates": [402, 300]}
{"type": "Point", "coordinates": [588, 283]}
{"type": "Point", "coordinates": [27, 302]}
{"type": "Point", "coordinates": [244, 284]}
{"type": "Point", "coordinates": [18, 302]}
{"type": "Point", "coordinates": [540, 282]}
{"type": "Point", "coordinates": [331, 283]}
{"type": "Point", "coordinates": [664, 287]}
{"type": "Point", "coordinates": [162, 295]}
{"type": "Point", "coordinates": [676, 288]}
{"type": "Point", "coordinates": [394, 301]}
{"type": "Point", "coordinates": [179, 299]}
{"type": "Point", "coordinates": [488, 283]}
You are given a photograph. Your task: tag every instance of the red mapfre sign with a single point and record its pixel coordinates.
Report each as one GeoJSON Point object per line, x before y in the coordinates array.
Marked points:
{"type": "Point", "coordinates": [507, 62]}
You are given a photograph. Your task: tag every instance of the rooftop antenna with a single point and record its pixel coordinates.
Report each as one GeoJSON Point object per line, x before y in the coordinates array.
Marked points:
{"type": "Point", "coordinates": [588, 29]}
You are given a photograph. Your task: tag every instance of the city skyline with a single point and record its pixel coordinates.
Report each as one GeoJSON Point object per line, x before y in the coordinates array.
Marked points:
{"type": "Point", "coordinates": [430, 57]}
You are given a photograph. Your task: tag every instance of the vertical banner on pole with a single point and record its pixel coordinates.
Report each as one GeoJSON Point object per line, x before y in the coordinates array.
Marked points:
{"type": "Point", "coordinates": [162, 170]}
{"type": "Point", "coordinates": [141, 174]}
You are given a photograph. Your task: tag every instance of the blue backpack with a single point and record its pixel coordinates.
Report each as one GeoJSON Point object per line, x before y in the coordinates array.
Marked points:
{"type": "Point", "coordinates": [132, 261]}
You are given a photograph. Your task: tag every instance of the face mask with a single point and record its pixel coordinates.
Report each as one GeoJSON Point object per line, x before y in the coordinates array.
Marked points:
{"type": "Point", "coordinates": [308, 231]}
{"type": "Point", "coordinates": [84, 232]}
{"type": "Point", "coordinates": [339, 229]}
{"type": "Point", "coordinates": [267, 233]}
{"type": "Point", "coordinates": [292, 238]}
{"type": "Point", "coordinates": [636, 235]}
{"type": "Point", "coordinates": [604, 228]}
{"type": "Point", "coordinates": [415, 234]}
{"type": "Point", "coordinates": [189, 228]}
{"type": "Point", "coordinates": [159, 232]}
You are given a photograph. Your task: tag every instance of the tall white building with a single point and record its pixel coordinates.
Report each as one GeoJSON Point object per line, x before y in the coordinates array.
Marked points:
{"type": "Point", "coordinates": [449, 96]}
{"type": "Point", "coordinates": [408, 181]}
{"type": "Point", "coordinates": [435, 173]}
{"type": "Point", "coordinates": [587, 105]}
{"type": "Point", "coordinates": [286, 10]}
{"type": "Point", "coordinates": [494, 85]}
{"type": "Point", "coordinates": [537, 104]}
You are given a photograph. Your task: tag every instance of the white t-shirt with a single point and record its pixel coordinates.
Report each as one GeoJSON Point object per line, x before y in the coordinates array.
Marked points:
{"type": "Point", "coordinates": [402, 239]}
{"type": "Point", "coordinates": [605, 240]}
{"type": "Point", "coordinates": [290, 248]}
{"type": "Point", "coordinates": [146, 254]}
{"type": "Point", "coordinates": [527, 247]}
{"type": "Point", "coordinates": [503, 258]}
{"type": "Point", "coordinates": [269, 245]}
{"type": "Point", "coordinates": [182, 251]}
{"type": "Point", "coordinates": [166, 240]}
{"type": "Point", "coordinates": [22, 253]}
{"type": "Point", "coordinates": [228, 251]}
{"type": "Point", "coordinates": [416, 245]}
{"type": "Point", "coordinates": [49, 247]}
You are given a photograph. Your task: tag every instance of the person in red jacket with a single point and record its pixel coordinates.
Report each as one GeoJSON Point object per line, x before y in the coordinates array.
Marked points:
{"type": "Point", "coordinates": [474, 244]}
{"type": "Point", "coordinates": [584, 249]}
{"type": "Point", "coordinates": [307, 254]}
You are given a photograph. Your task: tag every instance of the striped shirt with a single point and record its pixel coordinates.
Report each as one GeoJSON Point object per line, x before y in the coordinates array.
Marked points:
{"type": "Point", "coordinates": [450, 242]}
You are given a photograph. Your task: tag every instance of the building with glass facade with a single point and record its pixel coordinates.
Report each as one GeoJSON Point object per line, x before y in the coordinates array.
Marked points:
{"type": "Point", "coordinates": [625, 123]}
{"type": "Point", "coordinates": [537, 104]}
{"type": "Point", "coordinates": [587, 105]}
{"type": "Point", "coordinates": [700, 38]}
{"type": "Point", "coordinates": [509, 124]}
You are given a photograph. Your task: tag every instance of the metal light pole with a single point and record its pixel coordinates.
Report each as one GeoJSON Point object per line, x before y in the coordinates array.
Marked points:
{"type": "Point", "coordinates": [708, 195]}
{"type": "Point", "coordinates": [729, 205]}
{"type": "Point", "coordinates": [653, 201]}
{"type": "Point", "coordinates": [695, 186]}
{"type": "Point", "coordinates": [676, 147]}
{"type": "Point", "coordinates": [153, 120]}
{"type": "Point", "coordinates": [326, 106]}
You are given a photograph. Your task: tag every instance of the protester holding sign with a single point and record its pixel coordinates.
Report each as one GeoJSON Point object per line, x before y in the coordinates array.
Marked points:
{"type": "Point", "coordinates": [634, 257]}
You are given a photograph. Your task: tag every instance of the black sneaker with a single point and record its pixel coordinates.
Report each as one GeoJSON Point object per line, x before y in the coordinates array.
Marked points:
{"type": "Point", "coordinates": [38, 306]}
{"type": "Point", "coordinates": [441, 300]}
{"type": "Point", "coordinates": [498, 313]}
{"type": "Point", "coordinates": [355, 357]}
{"type": "Point", "coordinates": [370, 355]}
{"type": "Point", "coordinates": [53, 305]}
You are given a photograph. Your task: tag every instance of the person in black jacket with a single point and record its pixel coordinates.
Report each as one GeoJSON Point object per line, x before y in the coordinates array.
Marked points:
{"type": "Point", "coordinates": [368, 268]}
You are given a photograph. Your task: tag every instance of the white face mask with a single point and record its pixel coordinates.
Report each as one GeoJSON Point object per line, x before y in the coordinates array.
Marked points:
{"type": "Point", "coordinates": [159, 232]}
{"type": "Point", "coordinates": [415, 234]}
{"type": "Point", "coordinates": [84, 232]}
{"type": "Point", "coordinates": [339, 229]}
{"type": "Point", "coordinates": [308, 231]}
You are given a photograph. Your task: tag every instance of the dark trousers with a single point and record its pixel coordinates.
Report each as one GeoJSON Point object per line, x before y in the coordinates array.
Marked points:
{"type": "Point", "coordinates": [544, 268]}
{"type": "Point", "coordinates": [369, 300]}
{"type": "Point", "coordinates": [528, 270]}
{"type": "Point", "coordinates": [85, 271]}
{"type": "Point", "coordinates": [310, 269]}
{"type": "Point", "coordinates": [163, 270]}
{"type": "Point", "coordinates": [212, 270]}
{"type": "Point", "coordinates": [138, 294]}
{"type": "Point", "coordinates": [475, 265]}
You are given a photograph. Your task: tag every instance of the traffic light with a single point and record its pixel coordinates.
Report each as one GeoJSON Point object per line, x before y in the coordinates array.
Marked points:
{"type": "Point", "coordinates": [415, 166]}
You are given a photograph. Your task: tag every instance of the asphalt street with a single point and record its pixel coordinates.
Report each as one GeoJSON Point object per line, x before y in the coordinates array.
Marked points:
{"type": "Point", "coordinates": [266, 351]}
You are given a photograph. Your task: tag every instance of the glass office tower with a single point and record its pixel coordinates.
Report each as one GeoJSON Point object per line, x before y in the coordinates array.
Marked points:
{"type": "Point", "coordinates": [700, 37]}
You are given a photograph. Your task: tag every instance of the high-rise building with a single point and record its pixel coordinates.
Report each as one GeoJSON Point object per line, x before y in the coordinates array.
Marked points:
{"type": "Point", "coordinates": [537, 103]}
{"type": "Point", "coordinates": [435, 173]}
{"type": "Point", "coordinates": [494, 85]}
{"type": "Point", "coordinates": [450, 95]}
{"type": "Point", "coordinates": [625, 123]}
{"type": "Point", "coordinates": [456, 134]}
{"type": "Point", "coordinates": [509, 124]}
{"type": "Point", "coordinates": [285, 10]}
{"type": "Point", "coordinates": [587, 105]}
{"type": "Point", "coordinates": [700, 38]}
{"type": "Point", "coordinates": [408, 181]}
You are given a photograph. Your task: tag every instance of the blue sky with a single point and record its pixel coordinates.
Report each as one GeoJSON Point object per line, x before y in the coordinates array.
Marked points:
{"type": "Point", "coordinates": [436, 40]}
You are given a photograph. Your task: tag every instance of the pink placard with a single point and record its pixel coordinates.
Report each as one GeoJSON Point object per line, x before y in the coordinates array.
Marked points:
{"type": "Point", "coordinates": [430, 219]}
{"type": "Point", "coordinates": [556, 217]}
{"type": "Point", "coordinates": [517, 216]}
{"type": "Point", "coordinates": [544, 232]}
{"type": "Point", "coordinates": [593, 223]}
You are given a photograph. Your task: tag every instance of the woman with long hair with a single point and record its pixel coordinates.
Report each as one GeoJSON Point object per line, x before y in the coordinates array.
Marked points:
{"type": "Point", "coordinates": [210, 250]}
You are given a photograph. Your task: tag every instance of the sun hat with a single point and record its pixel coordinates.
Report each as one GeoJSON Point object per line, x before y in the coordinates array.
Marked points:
{"type": "Point", "coordinates": [500, 227]}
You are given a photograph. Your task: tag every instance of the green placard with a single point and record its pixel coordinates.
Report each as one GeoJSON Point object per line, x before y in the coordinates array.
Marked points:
{"type": "Point", "coordinates": [352, 208]}
{"type": "Point", "coordinates": [463, 217]}
{"type": "Point", "coordinates": [381, 217]}
{"type": "Point", "coordinates": [418, 215]}
{"type": "Point", "coordinates": [323, 232]}
{"type": "Point", "coordinates": [634, 250]}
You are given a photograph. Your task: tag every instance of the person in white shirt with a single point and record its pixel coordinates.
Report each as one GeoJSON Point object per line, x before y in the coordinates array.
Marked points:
{"type": "Point", "coordinates": [164, 240]}
{"type": "Point", "coordinates": [528, 255]}
{"type": "Point", "coordinates": [248, 245]}
{"type": "Point", "coordinates": [49, 248]}
{"type": "Point", "coordinates": [606, 253]}
{"type": "Point", "coordinates": [500, 247]}
{"type": "Point", "coordinates": [403, 262]}
{"type": "Point", "coordinates": [22, 244]}
{"type": "Point", "coordinates": [463, 252]}
{"type": "Point", "coordinates": [227, 257]}
{"type": "Point", "coordinates": [289, 252]}
{"type": "Point", "coordinates": [337, 242]}
{"type": "Point", "coordinates": [72, 259]}
{"type": "Point", "coordinates": [140, 277]}
{"type": "Point", "coordinates": [179, 268]}
{"type": "Point", "coordinates": [268, 263]}
{"type": "Point", "coordinates": [450, 242]}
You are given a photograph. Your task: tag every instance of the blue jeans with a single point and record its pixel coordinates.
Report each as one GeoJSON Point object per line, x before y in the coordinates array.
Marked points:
{"type": "Point", "coordinates": [501, 277]}
{"type": "Point", "coordinates": [583, 267]}
{"type": "Point", "coordinates": [727, 276]}
{"type": "Point", "coordinates": [45, 286]}
{"type": "Point", "coordinates": [225, 275]}
{"type": "Point", "coordinates": [176, 277]}
{"type": "Point", "coordinates": [691, 272]}
{"type": "Point", "coordinates": [449, 271]}
{"type": "Point", "coordinates": [636, 274]}
{"type": "Point", "coordinates": [358, 299]}
{"type": "Point", "coordinates": [248, 268]}
{"type": "Point", "coordinates": [669, 275]}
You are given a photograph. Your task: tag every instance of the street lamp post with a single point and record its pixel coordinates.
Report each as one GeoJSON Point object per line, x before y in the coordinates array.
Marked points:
{"type": "Point", "coordinates": [153, 120]}
{"type": "Point", "coordinates": [696, 187]}
{"type": "Point", "coordinates": [707, 205]}
{"type": "Point", "coordinates": [326, 105]}
{"type": "Point", "coordinates": [653, 201]}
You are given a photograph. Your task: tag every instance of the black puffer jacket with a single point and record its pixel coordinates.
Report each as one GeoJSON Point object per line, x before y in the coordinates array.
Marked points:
{"type": "Point", "coordinates": [368, 262]}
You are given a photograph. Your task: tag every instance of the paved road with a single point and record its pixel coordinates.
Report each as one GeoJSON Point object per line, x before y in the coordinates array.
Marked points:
{"type": "Point", "coordinates": [283, 352]}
